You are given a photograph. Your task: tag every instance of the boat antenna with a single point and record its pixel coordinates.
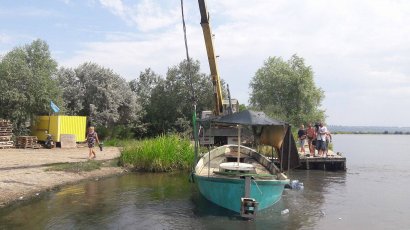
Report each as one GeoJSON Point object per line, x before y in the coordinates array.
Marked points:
{"type": "Point", "coordinates": [191, 85]}
{"type": "Point", "coordinates": [230, 111]}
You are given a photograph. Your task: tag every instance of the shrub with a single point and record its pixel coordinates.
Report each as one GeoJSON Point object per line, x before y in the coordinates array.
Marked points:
{"type": "Point", "coordinates": [161, 154]}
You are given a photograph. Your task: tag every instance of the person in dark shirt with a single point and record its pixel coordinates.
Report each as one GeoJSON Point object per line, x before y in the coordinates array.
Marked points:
{"type": "Point", "coordinates": [302, 138]}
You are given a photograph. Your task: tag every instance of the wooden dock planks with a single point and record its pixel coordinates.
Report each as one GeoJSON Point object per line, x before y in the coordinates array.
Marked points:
{"type": "Point", "coordinates": [332, 163]}
{"type": "Point", "coordinates": [27, 142]}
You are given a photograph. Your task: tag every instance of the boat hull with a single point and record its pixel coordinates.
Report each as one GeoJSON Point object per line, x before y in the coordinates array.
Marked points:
{"type": "Point", "coordinates": [227, 192]}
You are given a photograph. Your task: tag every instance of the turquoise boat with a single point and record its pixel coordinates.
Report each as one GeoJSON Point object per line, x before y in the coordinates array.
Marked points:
{"type": "Point", "coordinates": [239, 178]}
{"type": "Point", "coordinates": [224, 182]}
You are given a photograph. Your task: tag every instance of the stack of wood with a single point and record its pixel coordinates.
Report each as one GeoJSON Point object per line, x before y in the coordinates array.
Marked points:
{"type": "Point", "coordinates": [6, 132]}
{"type": "Point", "coordinates": [27, 142]}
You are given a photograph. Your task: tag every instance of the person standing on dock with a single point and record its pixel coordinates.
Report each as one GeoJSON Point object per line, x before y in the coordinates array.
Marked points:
{"type": "Point", "coordinates": [321, 139]}
{"type": "Point", "coordinates": [311, 135]}
{"type": "Point", "coordinates": [302, 138]}
{"type": "Point", "coordinates": [328, 141]}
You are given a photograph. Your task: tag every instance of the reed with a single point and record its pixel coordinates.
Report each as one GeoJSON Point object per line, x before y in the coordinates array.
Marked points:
{"type": "Point", "coordinates": [164, 153]}
{"type": "Point", "coordinates": [117, 142]}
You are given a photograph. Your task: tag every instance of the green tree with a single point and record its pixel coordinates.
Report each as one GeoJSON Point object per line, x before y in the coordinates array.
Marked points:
{"type": "Point", "coordinates": [143, 88]}
{"type": "Point", "coordinates": [98, 92]}
{"type": "Point", "coordinates": [73, 90]}
{"type": "Point", "coordinates": [171, 100]}
{"type": "Point", "coordinates": [286, 90]}
{"type": "Point", "coordinates": [26, 84]}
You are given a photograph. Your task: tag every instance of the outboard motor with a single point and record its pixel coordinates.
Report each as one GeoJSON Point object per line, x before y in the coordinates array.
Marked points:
{"type": "Point", "coordinates": [249, 206]}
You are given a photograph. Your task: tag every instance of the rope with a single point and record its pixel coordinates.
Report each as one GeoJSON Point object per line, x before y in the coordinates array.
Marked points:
{"type": "Point", "coordinates": [257, 187]}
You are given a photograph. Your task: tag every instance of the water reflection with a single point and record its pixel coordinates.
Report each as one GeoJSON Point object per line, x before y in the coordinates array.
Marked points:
{"type": "Point", "coordinates": [166, 201]}
{"type": "Point", "coordinates": [307, 207]}
{"type": "Point", "coordinates": [375, 187]}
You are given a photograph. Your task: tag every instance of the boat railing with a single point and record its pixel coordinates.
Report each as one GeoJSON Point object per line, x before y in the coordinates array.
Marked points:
{"type": "Point", "coordinates": [239, 174]}
{"type": "Point", "coordinates": [268, 164]}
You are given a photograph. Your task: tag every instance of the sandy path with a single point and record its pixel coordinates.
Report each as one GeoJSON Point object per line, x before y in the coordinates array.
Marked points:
{"type": "Point", "coordinates": [22, 171]}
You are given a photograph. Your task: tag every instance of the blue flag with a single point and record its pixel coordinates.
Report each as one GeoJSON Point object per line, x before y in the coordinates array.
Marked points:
{"type": "Point", "coordinates": [54, 107]}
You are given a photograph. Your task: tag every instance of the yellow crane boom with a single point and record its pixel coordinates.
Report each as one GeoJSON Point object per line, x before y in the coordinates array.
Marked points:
{"type": "Point", "coordinates": [206, 28]}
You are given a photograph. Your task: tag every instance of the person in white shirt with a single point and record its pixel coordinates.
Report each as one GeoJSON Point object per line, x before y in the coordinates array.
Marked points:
{"type": "Point", "coordinates": [321, 139]}
{"type": "Point", "coordinates": [328, 141]}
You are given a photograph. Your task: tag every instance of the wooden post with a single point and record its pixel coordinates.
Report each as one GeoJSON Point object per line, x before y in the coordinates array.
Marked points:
{"type": "Point", "coordinates": [239, 143]}
{"type": "Point", "coordinates": [247, 187]}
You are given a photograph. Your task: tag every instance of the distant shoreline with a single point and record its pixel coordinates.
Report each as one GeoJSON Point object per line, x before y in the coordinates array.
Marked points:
{"type": "Point", "coordinates": [369, 129]}
{"type": "Point", "coordinates": [378, 133]}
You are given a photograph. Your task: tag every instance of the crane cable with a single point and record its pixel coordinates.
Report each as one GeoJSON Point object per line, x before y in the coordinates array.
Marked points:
{"type": "Point", "coordinates": [187, 54]}
{"type": "Point", "coordinates": [195, 134]}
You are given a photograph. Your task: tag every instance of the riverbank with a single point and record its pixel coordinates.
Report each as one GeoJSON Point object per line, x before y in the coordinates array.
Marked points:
{"type": "Point", "coordinates": [25, 173]}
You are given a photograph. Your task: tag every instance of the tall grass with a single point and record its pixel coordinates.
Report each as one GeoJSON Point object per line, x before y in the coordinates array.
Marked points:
{"type": "Point", "coordinates": [162, 154]}
{"type": "Point", "coordinates": [117, 142]}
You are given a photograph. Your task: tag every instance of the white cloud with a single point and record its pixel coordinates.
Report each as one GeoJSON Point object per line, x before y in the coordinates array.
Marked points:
{"type": "Point", "coordinates": [146, 15]}
{"type": "Point", "coordinates": [359, 50]}
{"type": "Point", "coordinates": [128, 56]}
{"type": "Point", "coordinates": [116, 7]}
{"type": "Point", "coordinates": [376, 106]}
{"type": "Point", "coordinates": [150, 15]}
{"type": "Point", "coordinates": [353, 47]}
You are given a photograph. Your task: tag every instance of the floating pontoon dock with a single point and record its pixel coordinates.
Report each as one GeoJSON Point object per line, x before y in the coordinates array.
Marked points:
{"type": "Point", "coordinates": [331, 162]}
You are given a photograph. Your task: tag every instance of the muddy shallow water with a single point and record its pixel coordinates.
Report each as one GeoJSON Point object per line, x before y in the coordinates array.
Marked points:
{"type": "Point", "coordinates": [372, 194]}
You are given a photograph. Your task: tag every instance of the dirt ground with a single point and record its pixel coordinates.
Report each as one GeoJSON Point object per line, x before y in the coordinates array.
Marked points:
{"type": "Point", "coordinates": [23, 175]}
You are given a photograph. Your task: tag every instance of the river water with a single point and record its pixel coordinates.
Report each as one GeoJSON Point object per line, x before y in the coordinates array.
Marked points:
{"type": "Point", "coordinates": [372, 194]}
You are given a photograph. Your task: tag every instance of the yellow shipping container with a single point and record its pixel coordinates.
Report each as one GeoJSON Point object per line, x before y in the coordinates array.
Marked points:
{"type": "Point", "coordinates": [58, 125]}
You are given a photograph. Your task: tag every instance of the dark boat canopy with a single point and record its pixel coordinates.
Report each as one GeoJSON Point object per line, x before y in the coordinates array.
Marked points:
{"type": "Point", "coordinates": [266, 131]}
{"type": "Point", "coordinates": [248, 117]}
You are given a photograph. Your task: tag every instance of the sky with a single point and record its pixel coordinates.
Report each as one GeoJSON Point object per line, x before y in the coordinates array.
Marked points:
{"type": "Point", "coordinates": [359, 50]}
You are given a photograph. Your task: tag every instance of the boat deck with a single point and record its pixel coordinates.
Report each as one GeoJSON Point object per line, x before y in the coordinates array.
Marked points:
{"type": "Point", "coordinates": [214, 167]}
